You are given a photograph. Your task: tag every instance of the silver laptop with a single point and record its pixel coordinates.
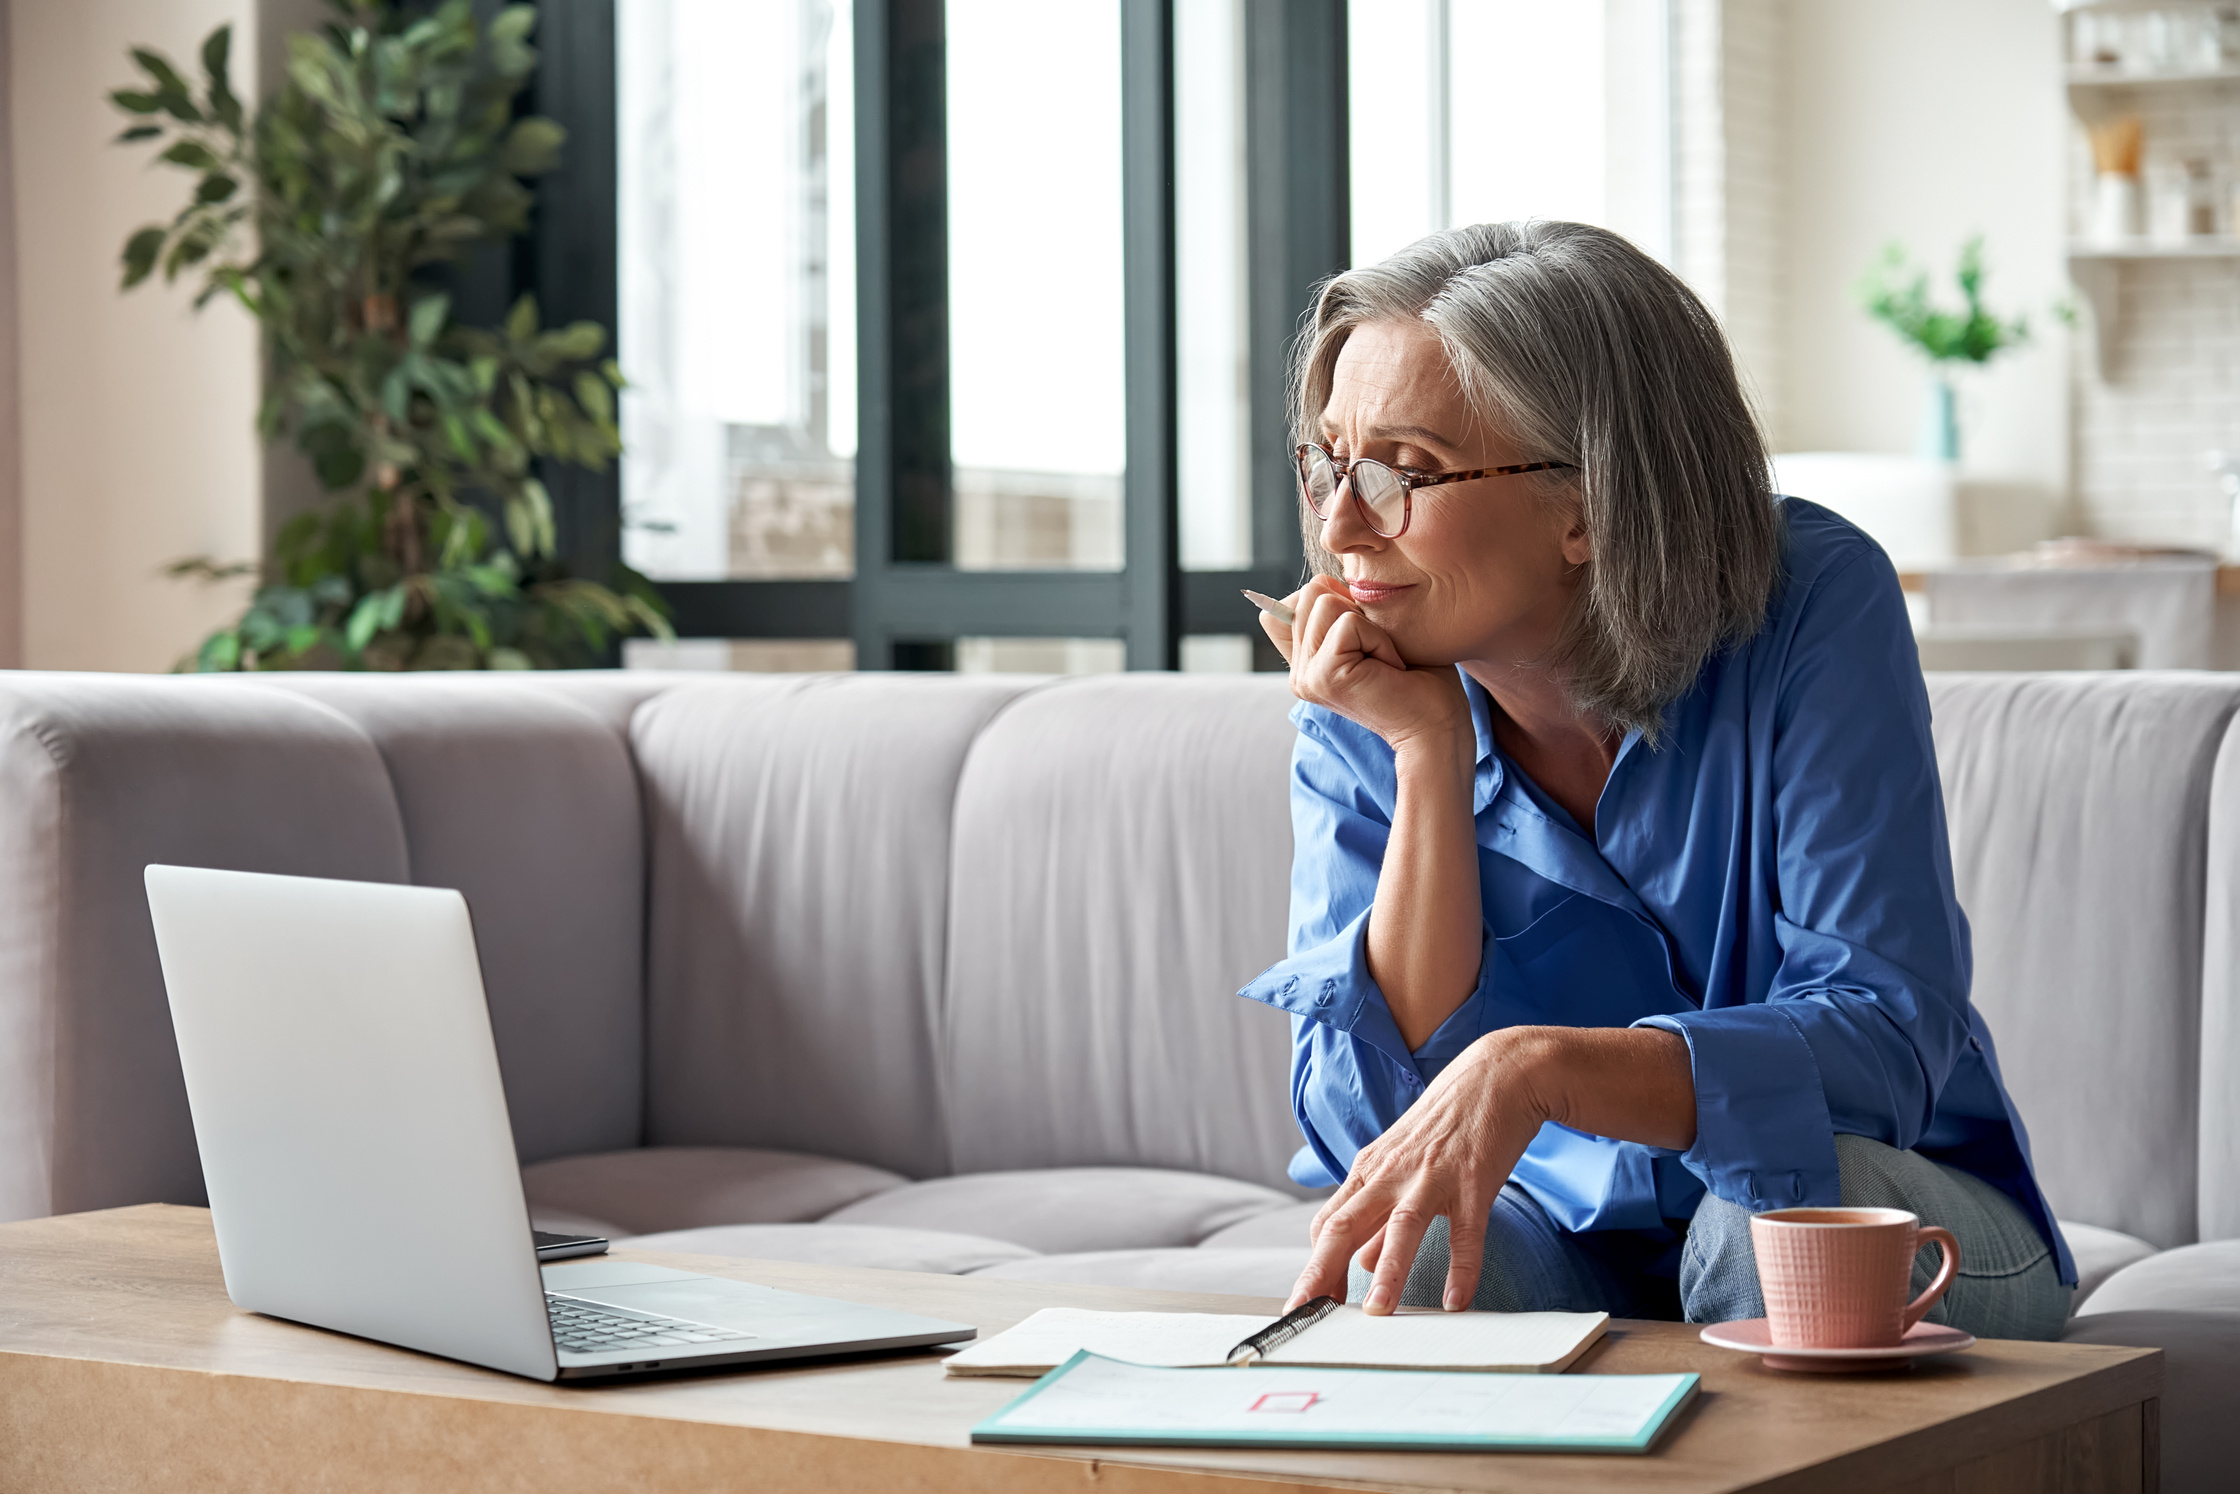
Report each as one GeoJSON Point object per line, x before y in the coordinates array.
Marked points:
{"type": "Point", "coordinates": [360, 1162]}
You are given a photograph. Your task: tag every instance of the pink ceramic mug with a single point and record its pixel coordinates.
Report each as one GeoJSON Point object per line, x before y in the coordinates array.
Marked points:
{"type": "Point", "coordinates": [1837, 1278]}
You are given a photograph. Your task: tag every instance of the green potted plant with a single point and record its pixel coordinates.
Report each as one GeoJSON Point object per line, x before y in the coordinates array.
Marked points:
{"type": "Point", "coordinates": [391, 148]}
{"type": "Point", "coordinates": [1896, 294]}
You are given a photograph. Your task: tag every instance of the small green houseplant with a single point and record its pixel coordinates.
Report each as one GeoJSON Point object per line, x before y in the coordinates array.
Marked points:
{"type": "Point", "coordinates": [391, 148]}
{"type": "Point", "coordinates": [1896, 293]}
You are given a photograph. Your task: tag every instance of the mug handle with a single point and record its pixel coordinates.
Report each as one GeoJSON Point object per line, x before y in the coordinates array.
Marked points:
{"type": "Point", "coordinates": [1950, 1248]}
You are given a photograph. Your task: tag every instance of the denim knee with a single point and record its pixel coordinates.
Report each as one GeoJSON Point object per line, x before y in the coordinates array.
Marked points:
{"type": "Point", "coordinates": [1718, 1266]}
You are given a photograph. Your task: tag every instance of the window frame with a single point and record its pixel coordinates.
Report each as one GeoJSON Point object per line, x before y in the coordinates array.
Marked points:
{"type": "Point", "coordinates": [906, 604]}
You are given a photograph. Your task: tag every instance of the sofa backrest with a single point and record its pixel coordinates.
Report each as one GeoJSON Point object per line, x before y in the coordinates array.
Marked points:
{"type": "Point", "coordinates": [1121, 866]}
{"type": "Point", "coordinates": [798, 895]}
{"type": "Point", "coordinates": [519, 792]}
{"type": "Point", "coordinates": [100, 775]}
{"type": "Point", "coordinates": [2079, 807]}
{"type": "Point", "coordinates": [2220, 1006]}
{"type": "Point", "coordinates": [941, 924]}
{"type": "Point", "coordinates": [366, 779]}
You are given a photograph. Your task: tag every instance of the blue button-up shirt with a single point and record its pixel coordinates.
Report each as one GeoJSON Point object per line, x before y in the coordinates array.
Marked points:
{"type": "Point", "coordinates": [1772, 882]}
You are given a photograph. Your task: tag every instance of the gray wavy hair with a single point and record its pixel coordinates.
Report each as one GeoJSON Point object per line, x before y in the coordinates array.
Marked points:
{"type": "Point", "coordinates": [1583, 349]}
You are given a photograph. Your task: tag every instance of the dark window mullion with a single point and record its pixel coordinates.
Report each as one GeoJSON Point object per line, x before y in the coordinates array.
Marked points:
{"type": "Point", "coordinates": [1154, 590]}
{"type": "Point", "coordinates": [902, 443]}
{"type": "Point", "coordinates": [1298, 232]}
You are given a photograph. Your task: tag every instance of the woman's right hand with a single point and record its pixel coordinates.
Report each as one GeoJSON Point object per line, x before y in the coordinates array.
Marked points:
{"type": "Point", "coordinates": [1341, 660]}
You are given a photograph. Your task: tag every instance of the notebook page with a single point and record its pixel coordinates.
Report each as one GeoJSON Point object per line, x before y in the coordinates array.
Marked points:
{"type": "Point", "coordinates": [1523, 1342]}
{"type": "Point", "coordinates": [1056, 1334]}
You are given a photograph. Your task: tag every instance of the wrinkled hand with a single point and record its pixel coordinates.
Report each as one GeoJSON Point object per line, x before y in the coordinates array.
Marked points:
{"type": "Point", "coordinates": [1342, 660]}
{"type": "Point", "coordinates": [1448, 1155]}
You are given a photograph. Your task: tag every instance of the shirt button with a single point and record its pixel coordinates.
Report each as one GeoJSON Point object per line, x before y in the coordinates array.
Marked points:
{"type": "Point", "coordinates": [1976, 1043]}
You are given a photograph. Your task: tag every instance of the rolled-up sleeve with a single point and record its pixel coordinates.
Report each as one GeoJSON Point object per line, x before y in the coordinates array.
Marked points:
{"type": "Point", "coordinates": [1867, 1011]}
{"type": "Point", "coordinates": [1352, 1074]}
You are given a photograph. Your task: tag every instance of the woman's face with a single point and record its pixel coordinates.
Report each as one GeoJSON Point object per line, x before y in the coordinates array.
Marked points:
{"type": "Point", "coordinates": [1486, 569]}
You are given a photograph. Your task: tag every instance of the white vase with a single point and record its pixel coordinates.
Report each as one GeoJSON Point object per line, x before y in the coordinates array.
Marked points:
{"type": "Point", "coordinates": [2115, 208]}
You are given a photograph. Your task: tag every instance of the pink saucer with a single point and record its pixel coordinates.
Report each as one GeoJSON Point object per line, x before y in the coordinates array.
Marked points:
{"type": "Point", "coordinates": [1922, 1341]}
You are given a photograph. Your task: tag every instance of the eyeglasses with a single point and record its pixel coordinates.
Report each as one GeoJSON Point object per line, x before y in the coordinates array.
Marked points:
{"type": "Point", "coordinates": [1386, 494]}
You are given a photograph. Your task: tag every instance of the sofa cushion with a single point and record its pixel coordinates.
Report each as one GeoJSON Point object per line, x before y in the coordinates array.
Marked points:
{"type": "Point", "coordinates": [1245, 1273]}
{"type": "Point", "coordinates": [932, 1250]}
{"type": "Point", "coordinates": [2190, 1278]}
{"type": "Point", "coordinates": [2100, 1254]}
{"type": "Point", "coordinates": [104, 774]}
{"type": "Point", "coordinates": [2079, 810]}
{"type": "Point", "coordinates": [1278, 1229]}
{"type": "Point", "coordinates": [798, 893]}
{"type": "Point", "coordinates": [527, 803]}
{"type": "Point", "coordinates": [1122, 865]}
{"type": "Point", "coordinates": [1071, 1208]}
{"type": "Point", "coordinates": [689, 1187]}
{"type": "Point", "coordinates": [2200, 1386]}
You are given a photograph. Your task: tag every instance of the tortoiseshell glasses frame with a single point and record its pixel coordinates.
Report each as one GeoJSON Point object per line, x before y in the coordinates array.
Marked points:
{"type": "Point", "coordinates": [1382, 490]}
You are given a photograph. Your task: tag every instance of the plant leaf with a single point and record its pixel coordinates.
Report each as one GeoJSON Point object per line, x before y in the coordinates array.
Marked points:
{"type": "Point", "coordinates": [132, 101]}
{"type": "Point", "coordinates": [521, 321]}
{"type": "Point", "coordinates": [140, 253]}
{"type": "Point", "coordinates": [137, 133]}
{"type": "Point", "coordinates": [365, 619]}
{"type": "Point", "coordinates": [427, 319]}
{"type": "Point", "coordinates": [159, 69]}
{"type": "Point", "coordinates": [190, 154]}
{"type": "Point", "coordinates": [532, 146]}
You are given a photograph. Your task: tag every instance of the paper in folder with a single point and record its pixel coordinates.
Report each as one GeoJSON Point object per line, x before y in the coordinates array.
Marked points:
{"type": "Point", "coordinates": [1096, 1402]}
{"type": "Point", "coordinates": [1513, 1342]}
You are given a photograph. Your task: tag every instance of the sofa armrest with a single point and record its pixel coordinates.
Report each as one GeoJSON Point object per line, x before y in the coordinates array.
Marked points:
{"type": "Point", "coordinates": [100, 775]}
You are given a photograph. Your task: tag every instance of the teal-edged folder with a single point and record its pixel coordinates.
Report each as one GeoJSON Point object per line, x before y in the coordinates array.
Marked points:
{"type": "Point", "coordinates": [1092, 1401]}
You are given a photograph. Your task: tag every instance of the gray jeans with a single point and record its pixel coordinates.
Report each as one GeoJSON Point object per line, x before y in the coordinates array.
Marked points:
{"type": "Point", "coordinates": [2009, 1283]}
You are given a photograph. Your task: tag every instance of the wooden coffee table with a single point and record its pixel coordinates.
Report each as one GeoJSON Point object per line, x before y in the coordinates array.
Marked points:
{"type": "Point", "coordinates": [123, 1366]}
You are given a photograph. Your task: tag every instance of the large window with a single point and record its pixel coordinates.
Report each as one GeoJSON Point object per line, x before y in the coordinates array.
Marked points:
{"type": "Point", "coordinates": [956, 331]}
{"type": "Point", "coordinates": [736, 259]}
{"type": "Point", "coordinates": [1037, 353]}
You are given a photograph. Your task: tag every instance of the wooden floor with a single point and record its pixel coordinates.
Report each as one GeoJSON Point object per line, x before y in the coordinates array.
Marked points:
{"type": "Point", "coordinates": [124, 1367]}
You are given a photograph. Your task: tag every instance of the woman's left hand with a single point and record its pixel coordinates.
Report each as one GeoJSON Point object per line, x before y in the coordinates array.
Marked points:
{"type": "Point", "coordinates": [1449, 1154]}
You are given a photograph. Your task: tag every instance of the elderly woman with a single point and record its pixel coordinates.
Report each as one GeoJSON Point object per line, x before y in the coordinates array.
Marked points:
{"type": "Point", "coordinates": [1622, 905]}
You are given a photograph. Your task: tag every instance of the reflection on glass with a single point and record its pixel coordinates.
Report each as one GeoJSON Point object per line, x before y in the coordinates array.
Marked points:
{"type": "Point", "coordinates": [1213, 366]}
{"type": "Point", "coordinates": [1041, 656]}
{"type": "Point", "coordinates": [1037, 391]}
{"type": "Point", "coordinates": [735, 124]}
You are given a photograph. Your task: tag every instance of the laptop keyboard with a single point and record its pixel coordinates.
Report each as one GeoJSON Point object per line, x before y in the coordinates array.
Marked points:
{"type": "Point", "coordinates": [582, 1327]}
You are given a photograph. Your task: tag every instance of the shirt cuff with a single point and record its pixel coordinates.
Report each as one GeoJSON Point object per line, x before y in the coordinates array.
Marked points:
{"type": "Point", "coordinates": [1763, 1137]}
{"type": "Point", "coordinates": [1330, 984]}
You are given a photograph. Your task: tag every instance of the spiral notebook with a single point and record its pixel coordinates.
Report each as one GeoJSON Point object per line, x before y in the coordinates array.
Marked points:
{"type": "Point", "coordinates": [1514, 1342]}
{"type": "Point", "coordinates": [1090, 1401]}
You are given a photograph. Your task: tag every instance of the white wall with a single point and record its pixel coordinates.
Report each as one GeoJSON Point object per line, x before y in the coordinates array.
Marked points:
{"type": "Point", "coordinates": [1925, 121]}
{"type": "Point", "coordinates": [137, 414]}
{"type": "Point", "coordinates": [1729, 187]}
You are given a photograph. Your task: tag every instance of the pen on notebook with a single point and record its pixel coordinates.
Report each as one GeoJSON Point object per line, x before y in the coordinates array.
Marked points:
{"type": "Point", "coordinates": [1285, 1328]}
{"type": "Point", "coordinates": [1271, 606]}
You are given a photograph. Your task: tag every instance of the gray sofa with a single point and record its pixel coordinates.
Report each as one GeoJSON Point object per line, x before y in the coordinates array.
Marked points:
{"type": "Point", "coordinates": [936, 972]}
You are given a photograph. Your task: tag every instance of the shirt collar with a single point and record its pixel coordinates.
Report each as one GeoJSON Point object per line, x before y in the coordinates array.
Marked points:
{"type": "Point", "coordinates": [1518, 828]}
